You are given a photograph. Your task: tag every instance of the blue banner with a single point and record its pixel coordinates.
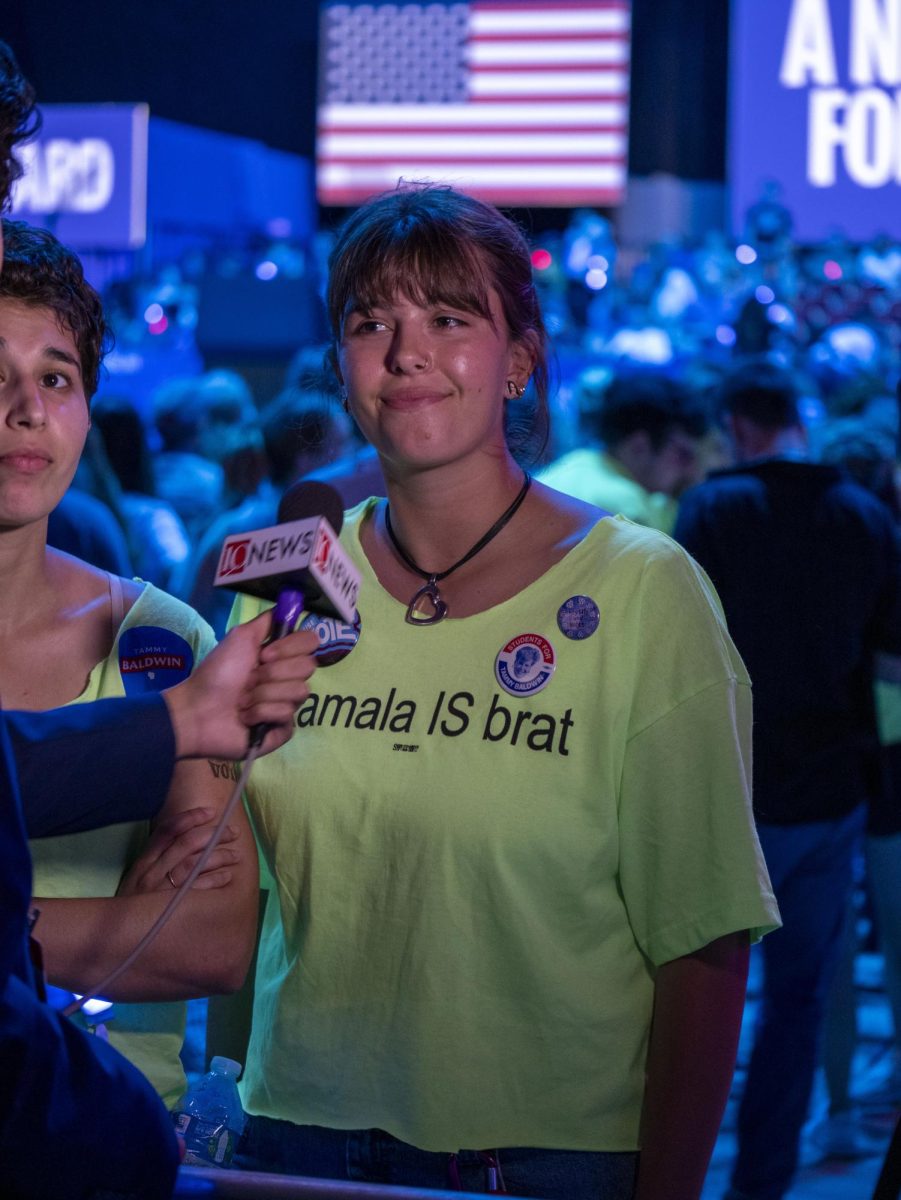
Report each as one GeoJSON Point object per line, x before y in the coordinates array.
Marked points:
{"type": "Point", "coordinates": [815, 106]}
{"type": "Point", "coordinates": [86, 176]}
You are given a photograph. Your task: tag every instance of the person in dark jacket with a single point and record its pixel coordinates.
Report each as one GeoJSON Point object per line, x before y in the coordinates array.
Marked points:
{"type": "Point", "coordinates": [808, 568]}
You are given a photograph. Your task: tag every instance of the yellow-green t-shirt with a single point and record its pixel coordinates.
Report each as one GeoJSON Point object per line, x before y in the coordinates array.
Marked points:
{"type": "Point", "coordinates": [92, 863]}
{"type": "Point", "coordinates": [474, 887]}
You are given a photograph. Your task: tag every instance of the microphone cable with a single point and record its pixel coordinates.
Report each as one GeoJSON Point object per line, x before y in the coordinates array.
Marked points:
{"type": "Point", "coordinates": [285, 615]}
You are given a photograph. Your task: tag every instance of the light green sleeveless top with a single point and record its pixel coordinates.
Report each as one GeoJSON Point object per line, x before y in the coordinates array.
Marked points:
{"type": "Point", "coordinates": [92, 863]}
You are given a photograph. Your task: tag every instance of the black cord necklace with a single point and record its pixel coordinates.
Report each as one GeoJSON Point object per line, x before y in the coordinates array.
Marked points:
{"type": "Point", "coordinates": [428, 593]}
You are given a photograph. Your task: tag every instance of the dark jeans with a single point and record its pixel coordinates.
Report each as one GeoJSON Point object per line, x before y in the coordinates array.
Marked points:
{"type": "Point", "coordinates": [372, 1156]}
{"type": "Point", "coordinates": [810, 869]}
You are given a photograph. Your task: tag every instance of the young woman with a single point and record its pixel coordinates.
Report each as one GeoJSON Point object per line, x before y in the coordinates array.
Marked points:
{"type": "Point", "coordinates": [515, 825]}
{"type": "Point", "coordinates": [71, 633]}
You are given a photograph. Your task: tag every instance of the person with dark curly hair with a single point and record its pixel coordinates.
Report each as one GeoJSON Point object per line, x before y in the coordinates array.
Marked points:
{"type": "Point", "coordinates": [72, 770]}
{"type": "Point", "coordinates": [69, 632]}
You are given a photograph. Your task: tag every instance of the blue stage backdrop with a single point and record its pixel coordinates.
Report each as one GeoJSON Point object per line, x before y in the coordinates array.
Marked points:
{"type": "Point", "coordinates": [86, 175]}
{"type": "Point", "coordinates": [105, 177]}
{"type": "Point", "coordinates": [815, 106]}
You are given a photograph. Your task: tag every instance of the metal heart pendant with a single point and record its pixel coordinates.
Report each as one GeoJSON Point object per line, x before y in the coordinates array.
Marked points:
{"type": "Point", "coordinates": [426, 607]}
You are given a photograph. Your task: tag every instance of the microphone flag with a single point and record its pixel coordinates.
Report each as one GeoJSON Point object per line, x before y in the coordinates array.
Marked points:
{"type": "Point", "coordinates": [304, 554]}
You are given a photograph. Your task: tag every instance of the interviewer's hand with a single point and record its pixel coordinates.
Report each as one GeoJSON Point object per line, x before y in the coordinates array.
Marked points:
{"type": "Point", "coordinates": [240, 684]}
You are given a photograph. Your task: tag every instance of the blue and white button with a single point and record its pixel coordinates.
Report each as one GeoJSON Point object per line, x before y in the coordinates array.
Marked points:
{"type": "Point", "coordinates": [578, 617]}
{"type": "Point", "coordinates": [152, 658]}
{"type": "Point", "coordinates": [336, 637]}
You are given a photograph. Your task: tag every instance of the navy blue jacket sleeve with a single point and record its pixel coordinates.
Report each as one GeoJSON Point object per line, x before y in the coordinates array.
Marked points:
{"type": "Point", "coordinates": [76, 1119]}
{"type": "Point", "coordinates": [92, 764]}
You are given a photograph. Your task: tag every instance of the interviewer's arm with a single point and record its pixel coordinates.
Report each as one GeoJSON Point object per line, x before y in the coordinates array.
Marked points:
{"type": "Point", "coordinates": [71, 763]}
{"type": "Point", "coordinates": [89, 765]}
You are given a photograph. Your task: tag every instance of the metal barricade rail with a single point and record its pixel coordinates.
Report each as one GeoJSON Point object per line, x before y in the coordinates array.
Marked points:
{"type": "Point", "coordinates": [209, 1183]}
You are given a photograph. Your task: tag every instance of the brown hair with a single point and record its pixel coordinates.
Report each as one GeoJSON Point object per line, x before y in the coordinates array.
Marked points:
{"type": "Point", "coordinates": [436, 245]}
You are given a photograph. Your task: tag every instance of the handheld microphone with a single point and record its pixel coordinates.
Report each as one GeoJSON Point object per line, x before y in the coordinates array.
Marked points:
{"type": "Point", "coordinates": [302, 552]}
{"type": "Point", "coordinates": [299, 563]}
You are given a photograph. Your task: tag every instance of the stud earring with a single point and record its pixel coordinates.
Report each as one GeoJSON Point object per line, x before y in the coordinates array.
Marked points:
{"type": "Point", "coordinates": [514, 390]}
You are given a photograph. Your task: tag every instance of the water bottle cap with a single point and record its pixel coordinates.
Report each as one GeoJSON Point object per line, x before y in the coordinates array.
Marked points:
{"type": "Point", "coordinates": [227, 1066]}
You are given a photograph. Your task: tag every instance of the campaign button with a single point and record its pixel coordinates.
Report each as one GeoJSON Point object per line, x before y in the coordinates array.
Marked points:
{"type": "Point", "coordinates": [336, 637]}
{"type": "Point", "coordinates": [152, 658]}
{"type": "Point", "coordinates": [578, 617]}
{"type": "Point", "coordinates": [525, 664]}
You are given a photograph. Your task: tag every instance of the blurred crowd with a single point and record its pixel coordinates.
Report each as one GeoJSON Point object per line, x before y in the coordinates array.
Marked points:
{"type": "Point", "coordinates": [643, 342]}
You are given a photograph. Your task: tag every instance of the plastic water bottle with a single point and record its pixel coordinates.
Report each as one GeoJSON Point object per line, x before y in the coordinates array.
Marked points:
{"type": "Point", "coordinates": [209, 1116]}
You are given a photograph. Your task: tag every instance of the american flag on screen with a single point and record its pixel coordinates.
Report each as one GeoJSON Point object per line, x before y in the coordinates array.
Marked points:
{"type": "Point", "coordinates": [516, 101]}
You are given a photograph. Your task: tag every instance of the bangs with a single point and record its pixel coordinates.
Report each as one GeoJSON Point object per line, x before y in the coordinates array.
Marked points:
{"type": "Point", "coordinates": [425, 265]}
